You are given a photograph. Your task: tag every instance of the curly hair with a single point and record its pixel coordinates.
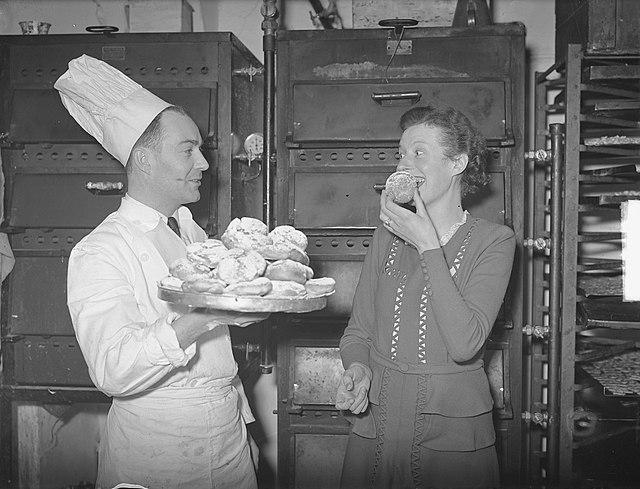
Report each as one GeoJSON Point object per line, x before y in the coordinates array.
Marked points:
{"type": "Point", "coordinates": [459, 136]}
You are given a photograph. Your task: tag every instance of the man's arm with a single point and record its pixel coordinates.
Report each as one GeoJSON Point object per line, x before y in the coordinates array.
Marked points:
{"type": "Point", "coordinates": [124, 353]}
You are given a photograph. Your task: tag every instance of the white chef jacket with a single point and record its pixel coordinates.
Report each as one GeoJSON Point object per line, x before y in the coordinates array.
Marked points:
{"type": "Point", "coordinates": [178, 416]}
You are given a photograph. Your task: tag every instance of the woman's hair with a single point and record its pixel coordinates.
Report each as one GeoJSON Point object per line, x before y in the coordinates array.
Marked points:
{"type": "Point", "coordinates": [459, 136]}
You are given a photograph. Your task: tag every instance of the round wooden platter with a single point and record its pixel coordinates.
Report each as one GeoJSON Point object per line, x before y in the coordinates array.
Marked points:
{"type": "Point", "coordinates": [247, 303]}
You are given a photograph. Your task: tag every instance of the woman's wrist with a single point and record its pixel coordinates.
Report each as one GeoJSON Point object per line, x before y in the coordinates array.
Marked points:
{"type": "Point", "coordinates": [428, 246]}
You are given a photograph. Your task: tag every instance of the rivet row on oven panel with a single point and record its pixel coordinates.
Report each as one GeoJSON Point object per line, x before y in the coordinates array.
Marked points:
{"type": "Point", "coordinates": [338, 244]}
{"type": "Point", "coordinates": [358, 156]}
{"type": "Point", "coordinates": [54, 73]}
{"type": "Point", "coordinates": [350, 155]}
{"type": "Point", "coordinates": [37, 238]}
{"type": "Point", "coordinates": [68, 155]}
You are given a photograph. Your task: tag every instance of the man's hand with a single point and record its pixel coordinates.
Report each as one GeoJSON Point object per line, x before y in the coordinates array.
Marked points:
{"type": "Point", "coordinates": [189, 327]}
{"type": "Point", "coordinates": [353, 390]}
{"type": "Point", "coordinates": [231, 318]}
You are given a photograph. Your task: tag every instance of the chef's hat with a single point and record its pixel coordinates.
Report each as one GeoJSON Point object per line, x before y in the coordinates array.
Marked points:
{"type": "Point", "coordinates": [108, 104]}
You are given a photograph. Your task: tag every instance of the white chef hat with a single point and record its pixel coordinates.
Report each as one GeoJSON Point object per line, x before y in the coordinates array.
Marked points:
{"type": "Point", "coordinates": [108, 104]}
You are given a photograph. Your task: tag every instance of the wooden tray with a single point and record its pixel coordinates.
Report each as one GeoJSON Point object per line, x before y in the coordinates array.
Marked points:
{"type": "Point", "coordinates": [245, 303]}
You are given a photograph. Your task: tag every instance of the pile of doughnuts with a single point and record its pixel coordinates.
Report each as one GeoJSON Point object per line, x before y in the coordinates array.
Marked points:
{"type": "Point", "coordinates": [248, 260]}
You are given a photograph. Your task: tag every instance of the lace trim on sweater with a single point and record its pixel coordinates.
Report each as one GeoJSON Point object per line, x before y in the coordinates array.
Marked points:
{"type": "Point", "coordinates": [377, 456]}
{"type": "Point", "coordinates": [418, 432]}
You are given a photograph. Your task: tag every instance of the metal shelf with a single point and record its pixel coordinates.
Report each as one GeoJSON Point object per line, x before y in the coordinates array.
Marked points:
{"type": "Point", "coordinates": [600, 285]}
{"type": "Point", "coordinates": [618, 375]}
{"type": "Point", "coordinates": [590, 237]}
{"type": "Point", "coordinates": [597, 349]}
{"type": "Point", "coordinates": [595, 264]}
{"type": "Point", "coordinates": [613, 314]}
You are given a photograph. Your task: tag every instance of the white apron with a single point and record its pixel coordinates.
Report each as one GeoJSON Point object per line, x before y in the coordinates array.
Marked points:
{"type": "Point", "coordinates": [218, 457]}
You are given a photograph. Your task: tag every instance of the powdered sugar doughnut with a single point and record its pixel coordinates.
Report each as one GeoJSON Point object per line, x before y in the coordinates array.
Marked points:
{"type": "Point", "coordinates": [284, 250]}
{"type": "Point", "coordinates": [286, 288]}
{"type": "Point", "coordinates": [259, 286]}
{"type": "Point", "coordinates": [320, 286]}
{"type": "Point", "coordinates": [400, 186]}
{"type": "Point", "coordinates": [208, 285]}
{"type": "Point", "coordinates": [288, 270]}
{"type": "Point", "coordinates": [290, 235]}
{"type": "Point", "coordinates": [243, 268]}
{"type": "Point", "coordinates": [246, 233]}
{"type": "Point", "coordinates": [185, 269]}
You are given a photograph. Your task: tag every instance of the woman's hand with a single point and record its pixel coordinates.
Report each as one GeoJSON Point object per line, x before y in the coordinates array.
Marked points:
{"type": "Point", "coordinates": [353, 391]}
{"type": "Point", "coordinates": [415, 229]}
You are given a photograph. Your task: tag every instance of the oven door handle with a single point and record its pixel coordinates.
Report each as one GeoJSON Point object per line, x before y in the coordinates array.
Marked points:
{"type": "Point", "coordinates": [396, 98]}
{"type": "Point", "coordinates": [105, 188]}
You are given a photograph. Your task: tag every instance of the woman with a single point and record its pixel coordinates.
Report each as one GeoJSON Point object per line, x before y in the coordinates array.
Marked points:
{"type": "Point", "coordinates": [429, 292]}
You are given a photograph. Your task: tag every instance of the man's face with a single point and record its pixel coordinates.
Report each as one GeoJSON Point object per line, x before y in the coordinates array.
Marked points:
{"type": "Point", "coordinates": [178, 166]}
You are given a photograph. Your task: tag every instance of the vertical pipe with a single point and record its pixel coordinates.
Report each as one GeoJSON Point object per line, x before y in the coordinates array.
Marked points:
{"type": "Point", "coordinates": [574, 70]}
{"type": "Point", "coordinates": [530, 231]}
{"type": "Point", "coordinates": [555, 284]}
{"type": "Point", "coordinates": [269, 26]}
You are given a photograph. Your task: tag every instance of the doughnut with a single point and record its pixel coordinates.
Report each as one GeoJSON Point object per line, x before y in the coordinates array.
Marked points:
{"type": "Point", "coordinates": [400, 186]}
{"type": "Point", "coordinates": [209, 285]}
{"type": "Point", "coordinates": [243, 268]}
{"type": "Point", "coordinates": [211, 243]}
{"type": "Point", "coordinates": [256, 260]}
{"type": "Point", "coordinates": [171, 282]}
{"type": "Point", "coordinates": [289, 234]}
{"type": "Point", "coordinates": [286, 288]}
{"type": "Point", "coordinates": [274, 252]}
{"type": "Point", "coordinates": [184, 269]}
{"type": "Point", "coordinates": [282, 251]}
{"type": "Point", "coordinates": [258, 286]}
{"type": "Point", "coordinates": [193, 254]}
{"type": "Point", "coordinates": [320, 286]}
{"type": "Point", "coordinates": [288, 270]}
{"type": "Point", "coordinates": [246, 233]}
{"type": "Point", "coordinates": [210, 256]}
{"type": "Point", "coordinates": [299, 255]}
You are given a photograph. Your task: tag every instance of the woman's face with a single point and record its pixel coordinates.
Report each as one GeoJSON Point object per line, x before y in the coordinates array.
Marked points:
{"type": "Point", "coordinates": [421, 154]}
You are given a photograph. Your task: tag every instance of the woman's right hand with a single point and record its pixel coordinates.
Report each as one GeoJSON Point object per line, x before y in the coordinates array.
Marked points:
{"type": "Point", "coordinates": [353, 391]}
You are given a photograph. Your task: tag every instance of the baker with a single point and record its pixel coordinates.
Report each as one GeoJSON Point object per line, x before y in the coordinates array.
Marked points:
{"type": "Point", "coordinates": [179, 411]}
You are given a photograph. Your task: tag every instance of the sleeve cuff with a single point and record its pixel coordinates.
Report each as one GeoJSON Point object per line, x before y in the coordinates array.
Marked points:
{"type": "Point", "coordinates": [433, 264]}
{"type": "Point", "coordinates": [164, 347]}
{"type": "Point", "coordinates": [354, 352]}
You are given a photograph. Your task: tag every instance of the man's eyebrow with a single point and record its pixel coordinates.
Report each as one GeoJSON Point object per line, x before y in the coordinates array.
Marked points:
{"type": "Point", "coordinates": [195, 142]}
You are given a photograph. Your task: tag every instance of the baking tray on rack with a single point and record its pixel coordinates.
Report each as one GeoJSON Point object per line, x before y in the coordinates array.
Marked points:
{"type": "Point", "coordinates": [247, 303]}
{"type": "Point", "coordinates": [595, 348]}
{"type": "Point", "coordinates": [600, 285]}
{"type": "Point", "coordinates": [612, 314]}
{"type": "Point", "coordinates": [619, 376]}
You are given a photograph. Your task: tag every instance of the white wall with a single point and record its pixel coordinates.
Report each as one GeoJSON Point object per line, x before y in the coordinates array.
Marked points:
{"type": "Point", "coordinates": [66, 451]}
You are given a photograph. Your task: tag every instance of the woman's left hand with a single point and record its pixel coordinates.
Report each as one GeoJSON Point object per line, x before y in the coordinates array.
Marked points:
{"type": "Point", "coordinates": [415, 229]}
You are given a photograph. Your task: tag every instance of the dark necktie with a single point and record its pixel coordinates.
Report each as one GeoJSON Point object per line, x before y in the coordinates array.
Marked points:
{"type": "Point", "coordinates": [173, 224]}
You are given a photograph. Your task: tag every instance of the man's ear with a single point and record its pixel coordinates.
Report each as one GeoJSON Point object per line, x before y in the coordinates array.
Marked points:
{"type": "Point", "coordinates": [141, 160]}
{"type": "Point", "coordinates": [459, 163]}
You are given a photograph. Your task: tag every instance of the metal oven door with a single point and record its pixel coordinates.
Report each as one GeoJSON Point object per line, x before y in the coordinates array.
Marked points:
{"type": "Point", "coordinates": [348, 112]}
